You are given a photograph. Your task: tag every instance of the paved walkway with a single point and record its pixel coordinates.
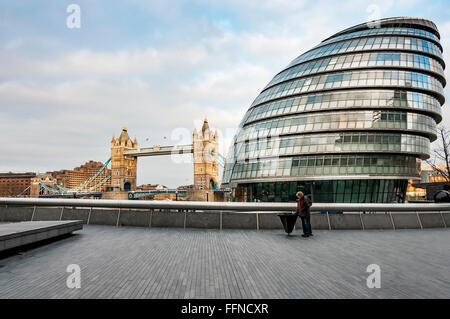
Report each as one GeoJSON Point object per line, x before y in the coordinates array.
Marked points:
{"type": "Point", "coordinates": [133, 262]}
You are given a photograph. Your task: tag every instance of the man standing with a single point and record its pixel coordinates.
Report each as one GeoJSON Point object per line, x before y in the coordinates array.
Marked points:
{"type": "Point", "coordinates": [303, 205]}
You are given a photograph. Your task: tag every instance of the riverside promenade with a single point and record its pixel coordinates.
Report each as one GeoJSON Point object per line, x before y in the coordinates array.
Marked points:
{"type": "Point", "coordinates": [137, 262]}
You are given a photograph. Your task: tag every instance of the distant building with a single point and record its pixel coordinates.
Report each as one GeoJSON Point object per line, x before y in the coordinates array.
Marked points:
{"type": "Point", "coordinates": [429, 175]}
{"type": "Point", "coordinates": [151, 187]}
{"type": "Point", "coordinates": [413, 192]}
{"type": "Point", "coordinates": [14, 184]}
{"type": "Point", "coordinates": [162, 195]}
{"type": "Point", "coordinates": [430, 183]}
{"type": "Point", "coordinates": [186, 187]}
{"type": "Point", "coordinates": [147, 187]}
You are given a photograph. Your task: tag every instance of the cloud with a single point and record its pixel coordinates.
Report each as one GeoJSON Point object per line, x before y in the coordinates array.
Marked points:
{"type": "Point", "coordinates": [152, 66]}
{"type": "Point", "coordinates": [63, 124]}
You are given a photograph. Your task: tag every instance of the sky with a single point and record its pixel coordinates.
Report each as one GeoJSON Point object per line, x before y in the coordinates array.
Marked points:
{"type": "Point", "coordinates": [157, 67]}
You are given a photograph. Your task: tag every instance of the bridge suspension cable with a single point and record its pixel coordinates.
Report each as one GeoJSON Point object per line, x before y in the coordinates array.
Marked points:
{"type": "Point", "coordinates": [99, 184]}
{"type": "Point", "coordinates": [87, 185]}
{"type": "Point", "coordinates": [84, 184]}
{"type": "Point", "coordinates": [48, 188]}
{"type": "Point", "coordinates": [219, 158]}
{"type": "Point", "coordinates": [27, 188]}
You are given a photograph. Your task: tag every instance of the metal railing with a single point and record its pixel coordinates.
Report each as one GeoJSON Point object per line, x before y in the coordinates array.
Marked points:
{"type": "Point", "coordinates": [222, 206]}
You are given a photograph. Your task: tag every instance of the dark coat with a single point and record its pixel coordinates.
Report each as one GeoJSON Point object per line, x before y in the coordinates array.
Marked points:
{"type": "Point", "coordinates": [305, 204]}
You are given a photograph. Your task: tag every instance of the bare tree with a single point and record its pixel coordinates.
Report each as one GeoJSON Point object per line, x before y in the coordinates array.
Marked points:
{"type": "Point", "coordinates": [441, 154]}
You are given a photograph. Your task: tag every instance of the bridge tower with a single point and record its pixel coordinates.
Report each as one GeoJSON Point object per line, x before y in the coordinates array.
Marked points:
{"type": "Point", "coordinates": [123, 168]}
{"type": "Point", "coordinates": [206, 170]}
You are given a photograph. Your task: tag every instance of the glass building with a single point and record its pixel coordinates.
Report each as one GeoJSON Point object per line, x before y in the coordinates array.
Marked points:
{"type": "Point", "coordinates": [347, 121]}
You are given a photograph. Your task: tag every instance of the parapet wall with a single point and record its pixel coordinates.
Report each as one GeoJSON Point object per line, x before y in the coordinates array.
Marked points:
{"type": "Point", "coordinates": [224, 219]}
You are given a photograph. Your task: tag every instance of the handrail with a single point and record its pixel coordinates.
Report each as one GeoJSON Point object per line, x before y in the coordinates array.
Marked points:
{"type": "Point", "coordinates": [228, 206]}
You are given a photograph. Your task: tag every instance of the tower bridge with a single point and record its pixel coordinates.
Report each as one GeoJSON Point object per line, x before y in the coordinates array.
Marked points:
{"type": "Point", "coordinates": [125, 153]}
{"type": "Point", "coordinates": [121, 183]}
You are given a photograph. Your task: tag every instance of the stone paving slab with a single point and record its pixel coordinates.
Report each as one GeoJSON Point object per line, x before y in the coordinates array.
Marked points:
{"type": "Point", "coordinates": [22, 233]}
{"type": "Point", "coordinates": [136, 262]}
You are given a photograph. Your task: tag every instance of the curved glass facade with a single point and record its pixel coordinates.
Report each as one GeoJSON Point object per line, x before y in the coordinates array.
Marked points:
{"type": "Point", "coordinates": [360, 61]}
{"type": "Point", "coordinates": [347, 121]}
{"type": "Point", "coordinates": [398, 79]}
{"type": "Point", "coordinates": [382, 42]}
{"type": "Point", "coordinates": [344, 120]}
